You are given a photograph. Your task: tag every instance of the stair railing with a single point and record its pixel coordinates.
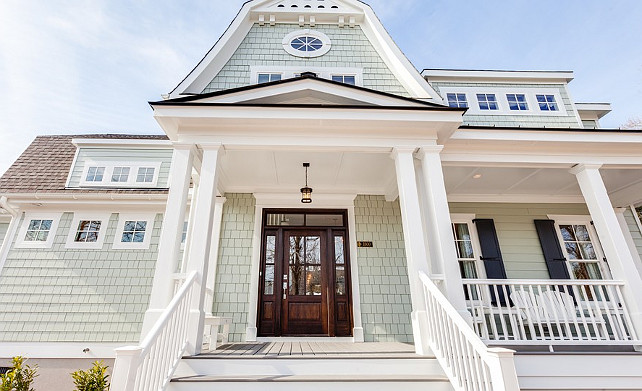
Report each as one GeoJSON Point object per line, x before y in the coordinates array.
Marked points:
{"type": "Point", "coordinates": [149, 366]}
{"type": "Point", "coordinates": [468, 362]}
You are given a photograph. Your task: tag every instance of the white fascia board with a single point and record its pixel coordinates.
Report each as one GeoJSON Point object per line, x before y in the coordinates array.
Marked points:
{"type": "Point", "coordinates": [516, 198]}
{"type": "Point", "coordinates": [121, 143]}
{"type": "Point", "coordinates": [312, 85]}
{"type": "Point", "coordinates": [395, 59]}
{"type": "Point", "coordinates": [459, 75]}
{"type": "Point", "coordinates": [572, 135]}
{"type": "Point", "coordinates": [598, 110]}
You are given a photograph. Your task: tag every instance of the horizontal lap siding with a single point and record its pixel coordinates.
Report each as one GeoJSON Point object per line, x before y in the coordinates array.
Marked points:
{"type": "Point", "coordinates": [635, 229]}
{"type": "Point", "coordinates": [122, 155]}
{"type": "Point", "coordinates": [516, 231]}
{"type": "Point", "coordinates": [65, 295]}
{"type": "Point", "coordinates": [233, 274]}
{"type": "Point", "coordinates": [263, 46]}
{"type": "Point", "coordinates": [383, 272]}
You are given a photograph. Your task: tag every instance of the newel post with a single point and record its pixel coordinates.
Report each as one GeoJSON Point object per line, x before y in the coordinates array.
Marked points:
{"type": "Point", "coordinates": [503, 373]}
{"type": "Point", "coordinates": [123, 376]}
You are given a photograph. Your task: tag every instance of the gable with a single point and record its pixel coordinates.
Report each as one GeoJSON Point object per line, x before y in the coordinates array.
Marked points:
{"type": "Point", "coordinates": [258, 38]}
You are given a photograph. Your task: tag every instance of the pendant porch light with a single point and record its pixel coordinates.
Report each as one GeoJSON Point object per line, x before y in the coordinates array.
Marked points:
{"type": "Point", "coordinates": [306, 192]}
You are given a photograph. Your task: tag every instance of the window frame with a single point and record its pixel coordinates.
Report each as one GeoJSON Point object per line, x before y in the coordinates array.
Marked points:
{"type": "Point", "coordinates": [287, 43]}
{"type": "Point", "coordinates": [487, 102]}
{"type": "Point", "coordinates": [465, 218]}
{"type": "Point", "coordinates": [548, 104]}
{"type": "Point", "coordinates": [118, 244]}
{"type": "Point", "coordinates": [270, 75]}
{"type": "Point", "coordinates": [22, 232]}
{"type": "Point", "coordinates": [132, 179]}
{"type": "Point", "coordinates": [457, 101]}
{"type": "Point", "coordinates": [343, 76]}
{"type": "Point", "coordinates": [517, 102]}
{"type": "Point", "coordinates": [595, 241]}
{"type": "Point", "coordinates": [289, 72]}
{"type": "Point", "coordinates": [104, 219]}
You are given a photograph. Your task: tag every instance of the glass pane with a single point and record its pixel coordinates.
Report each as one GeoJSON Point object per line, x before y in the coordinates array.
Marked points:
{"type": "Point", "coordinates": [462, 232]}
{"type": "Point", "coordinates": [340, 283]}
{"type": "Point", "coordinates": [313, 250]}
{"type": "Point", "coordinates": [92, 237]}
{"type": "Point", "coordinates": [567, 233]}
{"type": "Point", "coordinates": [573, 251]}
{"type": "Point", "coordinates": [129, 225]}
{"type": "Point", "coordinates": [139, 237]}
{"type": "Point", "coordinates": [297, 268]}
{"type": "Point", "coordinates": [34, 225]}
{"type": "Point", "coordinates": [468, 269]}
{"type": "Point", "coordinates": [141, 225]}
{"type": "Point", "coordinates": [293, 220]}
{"type": "Point", "coordinates": [586, 271]}
{"type": "Point", "coordinates": [324, 221]}
{"type": "Point", "coordinates": [264, 78]}
{"type": "Point", "coordinates": [313, 281]}
{"type": "Point", "coordinates": [269, 280]}
{"type": "Point", "coordinates": [95, 225]}
{"type": "Point", "coordinates": [465, 249]}
{"type": "Point", "coordinates": [588, 252]}
{"type": "Point", "coordinates": [81, 237]}
{"type": "Point", "coordinates": [30, 236]}
{"type": "Point", "coordinates": [127, 237]}
{"type": "Point", "coordinates": [42, 236]}
{"type": "Point", "coordinates": [83, 225]}
{"type": "Point", "coordinates": [270, 249]}
{"type": "Point", "coordinates": [339, 258]}
{"type": "Point", "coordinates": [46, 225]}
{"type": "Point", "coordinates": [582, 233]}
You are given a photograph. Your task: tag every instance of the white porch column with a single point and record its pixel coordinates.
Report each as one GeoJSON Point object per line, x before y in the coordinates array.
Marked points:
{"type": "Point", "coordinates": [414, 241]}
{"type": "Point", "coordinates": [216, 240]}
{"type": "Point", "coordinates": [441, 243]}
{"type": "Point", "coordinates": [621, 218]}
{"type": "Point", "coordinates": [171, 233]}
{"type": "Point", "coordinates": [201, 243]}
{"type": "Point", "coordinates": [612, 238]}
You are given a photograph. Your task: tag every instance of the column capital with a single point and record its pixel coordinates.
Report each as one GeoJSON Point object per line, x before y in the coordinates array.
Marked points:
{"type": "Point", "coordinates": [429, 149]}
{"type": "Point", "coordinates": [396, 151]}
{"type": "Point", "coordinates": [584, 167]}
{"type": "Point", "coordinates": [181, 146]}
{"type": "Point", "coordinates": [221, 200]}
{"type": "Point", "coordinates": [211, 146]}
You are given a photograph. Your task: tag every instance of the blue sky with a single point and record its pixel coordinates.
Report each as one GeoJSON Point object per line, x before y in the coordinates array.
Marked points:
{"type": "Point", "coordinates": [91, 66]}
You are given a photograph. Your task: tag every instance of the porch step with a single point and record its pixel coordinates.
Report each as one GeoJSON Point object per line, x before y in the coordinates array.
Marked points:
{"type": "Point", "coordinates": [395, 370]}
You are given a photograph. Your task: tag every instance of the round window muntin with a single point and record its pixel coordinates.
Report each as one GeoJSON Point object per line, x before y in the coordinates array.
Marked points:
{"type": "Point", "coordinates": [307, 43]}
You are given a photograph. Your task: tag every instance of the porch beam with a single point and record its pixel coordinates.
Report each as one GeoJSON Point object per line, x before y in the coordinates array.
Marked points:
{"type": "Point", "coordinates": [413, 230]}
{"type": "Point", "coordinates": [200, 243]}
{"type": "Point", "coordinates": [171, 233]}
{"type": "Point", "coordinates": [612, 238]}
{"type": "Point", "coordinates": [441, 242]}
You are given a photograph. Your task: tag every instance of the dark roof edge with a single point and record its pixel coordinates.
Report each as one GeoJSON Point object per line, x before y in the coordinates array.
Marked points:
{"type": "Point", "coordinates": [314, 106]}
{"type": "Point", "coordinates": [492, 70]}
{"type": "Point", "coordinates": [292, 80]}
{"type": "Point", "coordinates": [108, 136]}
{"type": "Point", "coordinates": [545, 129]}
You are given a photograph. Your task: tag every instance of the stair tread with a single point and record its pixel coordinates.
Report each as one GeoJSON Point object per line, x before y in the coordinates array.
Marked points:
{"type": "Point", "coordinates": [311, 378]}
{"type": "Point", "coordinates": [308, 357]}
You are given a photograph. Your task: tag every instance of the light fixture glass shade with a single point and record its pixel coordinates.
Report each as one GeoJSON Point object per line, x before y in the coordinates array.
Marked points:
{"type": "Point", "coordinates": [306, 195]}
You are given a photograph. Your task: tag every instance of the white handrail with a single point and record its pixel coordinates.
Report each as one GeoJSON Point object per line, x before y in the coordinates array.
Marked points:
{"type": "Point", "coordinates": [149, 366]}
{"type": "Point", "coordinates": [468, 362]}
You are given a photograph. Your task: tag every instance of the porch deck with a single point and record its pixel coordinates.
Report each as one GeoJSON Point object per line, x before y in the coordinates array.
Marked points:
{"type": "Point", "coordinates": [291, 350]}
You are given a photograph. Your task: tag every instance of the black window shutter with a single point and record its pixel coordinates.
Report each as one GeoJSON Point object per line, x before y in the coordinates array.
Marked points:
{"type": "Point", "coordinates": [555, 260]}
{"type": "Point", "coordinates": [492, 256]}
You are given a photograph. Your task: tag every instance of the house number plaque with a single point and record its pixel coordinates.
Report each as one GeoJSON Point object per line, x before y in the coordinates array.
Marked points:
{"type": "Point", "coordinates": [365, 244]}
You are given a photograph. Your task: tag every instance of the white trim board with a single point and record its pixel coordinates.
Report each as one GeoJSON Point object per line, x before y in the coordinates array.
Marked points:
{"type": "Point", "coordinates": [60, 349]}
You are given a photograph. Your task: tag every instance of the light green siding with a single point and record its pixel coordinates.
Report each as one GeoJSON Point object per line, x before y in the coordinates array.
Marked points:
{"type": "Point", "coordinates": [383, 272]}
{"type": "Point", "coordinates": [635, 229]}
{"type": "Point", "coordinates": [64, 295]}
{"type": "Point", "coordinates": [570, 120]}
{"type": "Point", "coordinates": [263, 47]}
{"type": "Point", "coordinates": [518, 238]}
{"type": "Point", "coordinates": [232, 288]}
{"type": "Point", "coordinates": [151, 155]}
{"type": "Point", "coordinates": [4, 227]}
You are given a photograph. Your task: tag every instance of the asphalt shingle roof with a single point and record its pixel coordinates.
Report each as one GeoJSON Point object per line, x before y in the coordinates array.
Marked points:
{"type": "Point", "coordinates": [44, 166]}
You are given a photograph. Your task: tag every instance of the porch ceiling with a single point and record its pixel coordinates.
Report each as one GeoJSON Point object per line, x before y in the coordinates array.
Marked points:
{"type": "Point", "coordinates": [330, 172]}
{"type": "Point", "coordinates": [467, 182]}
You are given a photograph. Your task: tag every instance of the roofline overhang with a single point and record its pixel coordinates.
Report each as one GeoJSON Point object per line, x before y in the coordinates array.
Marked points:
{"type": "Point", "coordinates": [599, 110]}
{"type": "Point", "coordinates": [471, 74]}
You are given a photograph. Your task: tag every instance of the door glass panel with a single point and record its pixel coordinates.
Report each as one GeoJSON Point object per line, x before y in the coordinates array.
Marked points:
{"type": "Point", "coordinates": [283, 220]}
{"type": "Point", "coordinates": [270, 250]}
{"type": "Point", "coordinates": [305, 266]}
{"type": "Point", "coordinates": [339, 258]}
{"type": "Point", "coordinates": [339, 262]}
{"type": "Point", "coordinates": [324, 220]}
{"type": "Point", "coordinates": [341, 280]}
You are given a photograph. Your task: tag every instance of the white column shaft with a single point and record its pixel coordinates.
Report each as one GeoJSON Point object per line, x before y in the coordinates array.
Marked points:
{"type": "Point", "coordinates": [441, 242]}
{"type": "Point", "coordinates": [201, 243]}
{"type": "Point", "coordinates": [216, 236]}
{"type": "Point", "coordinates": [171, 233]}
{"type": "Point", "coordinates": [413, 240]}
{"type": "Point", "coordinates": [612, 238]}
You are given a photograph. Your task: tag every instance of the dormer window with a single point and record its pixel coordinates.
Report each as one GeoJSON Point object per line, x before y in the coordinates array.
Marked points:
{"type": "Point", "coordinates": [457, 100]}
{"type": "Point", "coordinates": [95, 174]}
{"type": "Point", "coordinates": [345, 79]}
{"type": "Point", "coordinates": [268, 77]}
{"type": "Point", "coordinates": [487, 102]}
{"type": "Point", "coordinates": [145, 175]}
{"type": "Point", "coordinates": [517, 102]}
{"type": "Point", "coordinates": [547, 103]}
{"type": "Point", "coordinates": [120, 175]}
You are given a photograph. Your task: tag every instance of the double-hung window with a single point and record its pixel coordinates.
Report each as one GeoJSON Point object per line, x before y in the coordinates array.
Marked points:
{"type": "Point", "coordinates": [268, 77]}
{"type": "Point", "coordinates": [582, 250]}
{"type": "Point", "coordinates": [87, 230]}
{"type": "Point", "coordinates": [345, 79]}
{"type": "Point", "coordinates": [38, 230]}
{"type": "Point", "coordinates": [457, 100]}
{"type": "Point", "coordinates": [487, 102]}
{"type": "Point", "coordinates": [145, 175]}
{"type": "Point", "coordinates": [465, 250]}
{"type": "Point", "coordinates": [547, 102]}
{"type": "Point", "coordinates": [134, 231]}
{"type": "Point", "coordinates": [517, 102]}
{"type": "Point", "coordinates": [95, 174]}
{"type": "Point", "coordinates": [120, 175]}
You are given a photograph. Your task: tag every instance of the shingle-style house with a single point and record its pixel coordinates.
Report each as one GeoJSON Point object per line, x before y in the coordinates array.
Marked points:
{"type": "Point", "coordinates": [320, 214]}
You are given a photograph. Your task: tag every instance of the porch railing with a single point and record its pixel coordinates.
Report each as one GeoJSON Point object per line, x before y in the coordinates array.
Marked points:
{"type": "Point", "coordinates": [149, 367]}
{"type": "Point", "coordinates": [468, 362]}
{"type": "Point", "coordinates": [550, 311]}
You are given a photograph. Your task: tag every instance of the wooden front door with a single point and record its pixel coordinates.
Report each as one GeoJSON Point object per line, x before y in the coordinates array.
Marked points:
{"type": "Point", "coordinates": [305, 277]}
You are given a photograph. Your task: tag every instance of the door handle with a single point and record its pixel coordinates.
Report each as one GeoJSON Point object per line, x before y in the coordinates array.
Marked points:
{"type": "Point", "coordinates": [285, 290]}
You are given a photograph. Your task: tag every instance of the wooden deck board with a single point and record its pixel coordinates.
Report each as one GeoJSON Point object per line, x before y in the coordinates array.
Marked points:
{"type": "Point", "coordinates": [312, 349]}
